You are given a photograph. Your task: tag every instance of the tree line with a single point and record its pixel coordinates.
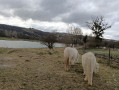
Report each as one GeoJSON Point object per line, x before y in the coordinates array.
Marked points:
{"type": "Point", "coordinates": [75, 37]}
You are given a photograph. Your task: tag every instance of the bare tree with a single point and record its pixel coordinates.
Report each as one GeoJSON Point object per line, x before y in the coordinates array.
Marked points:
{"type": "Point", "coordinates": [49, 40]}
{"type": "Point", "coordinates": [98, 25]}
{"type": "Point", "coordinates": [66, 39]}
{"type": "Point", "coordinates": [75, 35]}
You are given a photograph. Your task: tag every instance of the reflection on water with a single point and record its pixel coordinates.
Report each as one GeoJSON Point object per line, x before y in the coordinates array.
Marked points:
{"type": "Point", "coordinates": [24, 44]}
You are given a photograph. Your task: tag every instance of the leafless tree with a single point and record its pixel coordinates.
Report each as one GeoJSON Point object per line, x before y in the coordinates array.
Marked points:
{"type": "Point", "coordinates": [75, 35]}
{"type": "Point", "coordinates": [49, 40]}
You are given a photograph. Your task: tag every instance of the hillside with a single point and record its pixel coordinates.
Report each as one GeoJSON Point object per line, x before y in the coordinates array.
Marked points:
{"type": "Point", "coordinates": [20, 32]}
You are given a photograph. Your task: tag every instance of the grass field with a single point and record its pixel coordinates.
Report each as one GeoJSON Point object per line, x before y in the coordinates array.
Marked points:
{"type": "Point", "coordinates": [5, 38]}
{"type": "Point", "coordinates": [114, 53]}
{"type": "Point", "coordinates": [41, 69]}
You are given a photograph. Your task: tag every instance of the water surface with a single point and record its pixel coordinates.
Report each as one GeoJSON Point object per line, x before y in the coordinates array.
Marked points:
{"type": "Point", "coordinates": [24, 44]}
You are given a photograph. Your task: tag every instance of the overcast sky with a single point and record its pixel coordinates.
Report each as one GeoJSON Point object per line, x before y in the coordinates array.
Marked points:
{"type": "Point", "coordinates": [49, 15]}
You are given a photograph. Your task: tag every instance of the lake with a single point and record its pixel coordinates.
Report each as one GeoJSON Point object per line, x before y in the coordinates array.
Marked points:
{"type": "Point", "coordinates": [24, 44]}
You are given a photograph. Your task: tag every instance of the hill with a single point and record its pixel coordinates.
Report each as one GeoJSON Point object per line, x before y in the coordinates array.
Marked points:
{"type": "Point", "coordinates": [20, 32]}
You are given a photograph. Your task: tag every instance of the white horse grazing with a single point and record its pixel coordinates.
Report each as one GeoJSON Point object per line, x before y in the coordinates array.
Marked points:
{"type": "Point", "coordinates": [71, 56]}
{"type": "Point", "coordinates": [89, 66]}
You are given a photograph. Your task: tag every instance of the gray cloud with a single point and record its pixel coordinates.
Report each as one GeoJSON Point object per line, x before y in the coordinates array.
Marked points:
{"type": "Point", "coordinates": [79, 11]}
{"type": "Point", "coordinates": [55, 6]}
{"type": "Point", "coordinates": [46, 10]}
{"type": "Point", "coordinates": [12, 4]}
{"type": "Point", "coordinates": [68, 11]}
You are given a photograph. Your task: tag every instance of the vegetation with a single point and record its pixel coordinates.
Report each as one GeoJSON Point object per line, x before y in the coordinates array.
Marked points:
{"type": "Point", "coordinates": [75, 35]}
{"type": "Point", "coordinates": [49, 40]}
{"type": "Point", "coordinates": [85, 40]}
{"type": "Point", "coordinates": [98, 26]}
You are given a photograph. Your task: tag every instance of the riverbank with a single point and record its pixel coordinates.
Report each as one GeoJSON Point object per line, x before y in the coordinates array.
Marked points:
{"type": "Point", "coordinates": [33, 69]}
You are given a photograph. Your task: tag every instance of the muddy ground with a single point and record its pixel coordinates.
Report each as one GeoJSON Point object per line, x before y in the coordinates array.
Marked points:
{"type": "Point", "coordinates": [41, 69]}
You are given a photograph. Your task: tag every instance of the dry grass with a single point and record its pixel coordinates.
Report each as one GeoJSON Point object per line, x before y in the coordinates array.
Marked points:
{"type": "Point", "coordinates": [41, 69]}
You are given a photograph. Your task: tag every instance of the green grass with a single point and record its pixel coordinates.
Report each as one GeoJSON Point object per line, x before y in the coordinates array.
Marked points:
{"type": "Point", "coordinates": [6, 38]}
{"type": "Point", "coordinates": [2, 50]}
{"type": "Point", "coordinates": [17, 39]}
{"type": "Point", "coordinates": [114, 53]}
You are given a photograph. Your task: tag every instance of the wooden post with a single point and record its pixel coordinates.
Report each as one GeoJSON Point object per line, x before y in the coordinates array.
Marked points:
{"type": "Point", "coordinates": [109, 57]}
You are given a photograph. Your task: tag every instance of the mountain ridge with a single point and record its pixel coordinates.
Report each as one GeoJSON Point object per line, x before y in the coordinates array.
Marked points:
{"type": "Point", "coordinates": [20, 32]}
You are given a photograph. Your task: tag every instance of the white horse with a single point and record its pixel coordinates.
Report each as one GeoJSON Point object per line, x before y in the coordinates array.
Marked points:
{"type": "Point", "coordinates": [71, 56]}
{"type": "Point", "coordinates": [89, 66]}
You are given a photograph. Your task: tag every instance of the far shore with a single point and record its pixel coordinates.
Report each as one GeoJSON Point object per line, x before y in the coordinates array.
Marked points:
{"type": "Point", "coordinates": [17, 39]}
